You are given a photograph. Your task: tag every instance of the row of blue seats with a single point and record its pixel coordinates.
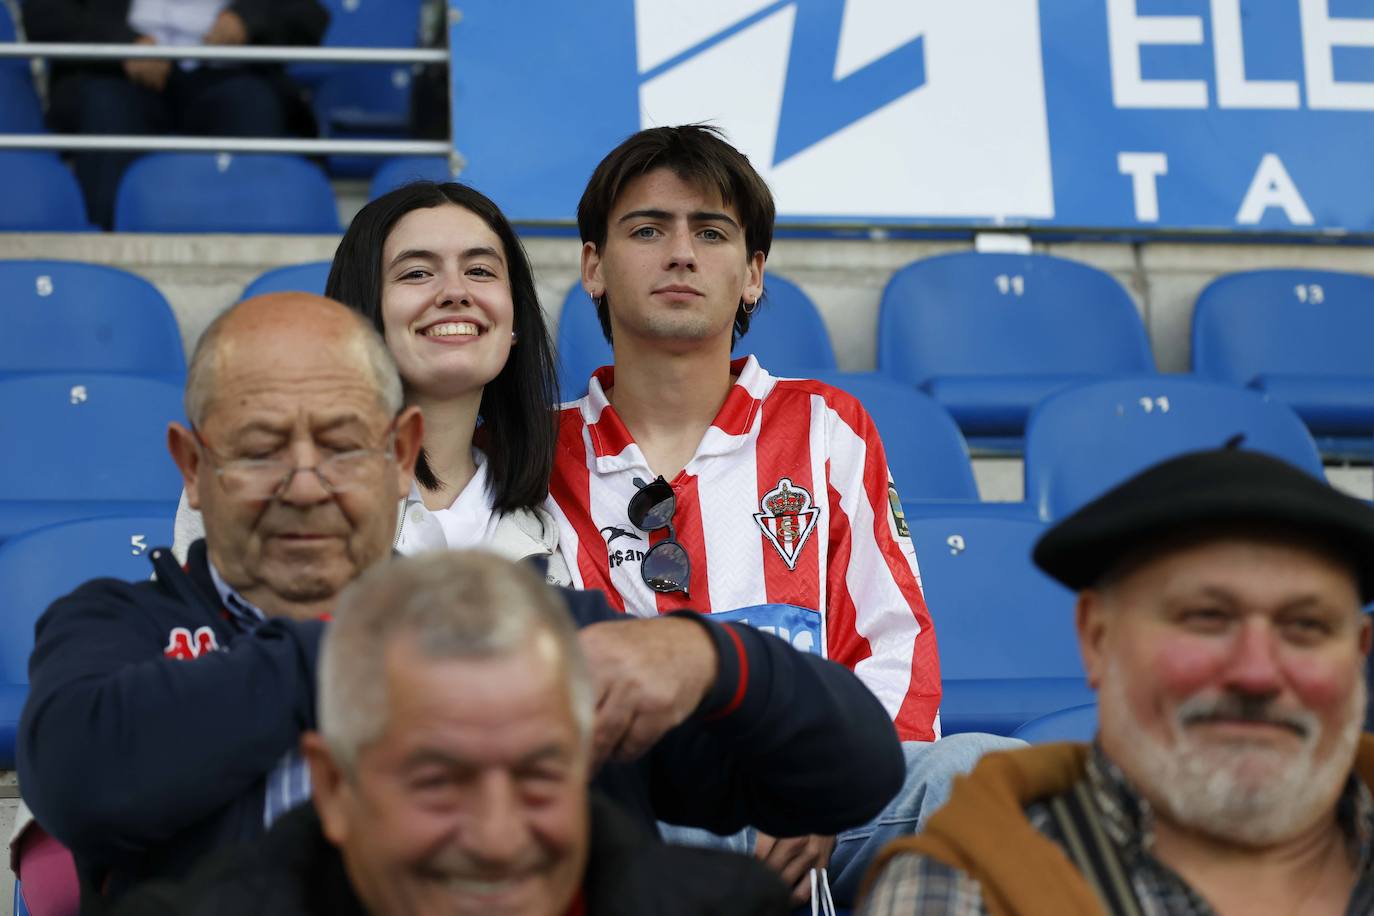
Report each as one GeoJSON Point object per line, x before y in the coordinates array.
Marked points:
{"type": "Point", "coordinates": [91, 443]}
{"type": "Point", "coordinates": [945, 329]}
{"type": "Point", "coordinates": [349, 101]}
{"type": "Point", "coordinates": [188, 192]}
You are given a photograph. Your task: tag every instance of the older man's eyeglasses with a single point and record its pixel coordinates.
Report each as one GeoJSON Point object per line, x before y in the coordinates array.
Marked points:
{"type": "Point", "coordinates": [666, 567]}
{"type": "Point", "coordinates": [268, 478]}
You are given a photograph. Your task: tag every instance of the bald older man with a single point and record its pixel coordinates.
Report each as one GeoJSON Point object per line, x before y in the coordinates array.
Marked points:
{"type": "Point", "coordinates": [142, 745]}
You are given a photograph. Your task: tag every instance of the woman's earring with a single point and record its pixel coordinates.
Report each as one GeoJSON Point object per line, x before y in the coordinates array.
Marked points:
{"type": "Point", "coordinates": [751, 307]}
{"type": "Point", "coordinates": [513, 336]}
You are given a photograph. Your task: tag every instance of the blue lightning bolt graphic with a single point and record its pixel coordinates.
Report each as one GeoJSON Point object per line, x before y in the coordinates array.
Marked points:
{"type": "Point", "coordinates": [814, 104]}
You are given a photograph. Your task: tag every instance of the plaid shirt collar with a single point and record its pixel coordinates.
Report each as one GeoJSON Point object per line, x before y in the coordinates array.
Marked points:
{"type": "Point", "coordinates": [1130, 820]}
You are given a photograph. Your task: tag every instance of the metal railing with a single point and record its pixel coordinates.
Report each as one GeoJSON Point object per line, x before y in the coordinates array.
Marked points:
{"type": "Point", "coordinates": [252, 54]}
{"type": "Point", "coordinates": [296, 54]}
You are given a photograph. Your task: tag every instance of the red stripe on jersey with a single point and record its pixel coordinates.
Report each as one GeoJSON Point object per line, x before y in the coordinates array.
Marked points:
{"type": "Point", "coordinates": [915, 720]}
{"type": "Point", "coordinates": [736, 415]}
{"type": "Point", "coordinates": [692, 536]}
{"type": "Point", "coordinates": [786, 419]}
{"type": "Point", "coordinates": [844, 644]}
{"type": "Point", "coordinates": [570, 487]}
{"type": "Point", "coordinates": [609, 435]}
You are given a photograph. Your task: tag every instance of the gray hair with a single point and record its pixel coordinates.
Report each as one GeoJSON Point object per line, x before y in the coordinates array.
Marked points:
{"type": "Point", "coordinates": [200, 375]}
{"type": "Point", "coordinates": [449, 604]}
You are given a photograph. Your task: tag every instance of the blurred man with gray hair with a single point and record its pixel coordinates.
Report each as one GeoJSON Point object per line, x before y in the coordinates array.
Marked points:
{"type": "Point", "coordinates": [451, 771]}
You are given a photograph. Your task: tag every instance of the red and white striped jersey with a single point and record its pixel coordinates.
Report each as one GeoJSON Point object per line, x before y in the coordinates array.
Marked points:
{"type": "Point", "coordinates": [788, 500]}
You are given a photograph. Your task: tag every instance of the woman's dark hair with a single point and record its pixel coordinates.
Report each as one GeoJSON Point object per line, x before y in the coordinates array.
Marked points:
{"type": "Point", "coordinates": [518, 421]}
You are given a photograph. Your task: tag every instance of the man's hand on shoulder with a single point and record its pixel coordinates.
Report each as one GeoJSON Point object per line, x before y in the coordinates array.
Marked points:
{"type": "Point", "coordinates": [650, 675]}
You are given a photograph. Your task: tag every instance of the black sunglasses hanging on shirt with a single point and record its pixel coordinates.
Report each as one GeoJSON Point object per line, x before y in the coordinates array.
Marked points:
{"type": "Point", "coordinates": [666, 567]}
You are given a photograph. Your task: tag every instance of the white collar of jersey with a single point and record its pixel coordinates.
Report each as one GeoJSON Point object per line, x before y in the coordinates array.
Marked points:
{"type": "Point", "coordinates": [616, 450]}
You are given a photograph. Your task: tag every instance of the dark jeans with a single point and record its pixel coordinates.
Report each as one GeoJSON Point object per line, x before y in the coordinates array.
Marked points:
{"type": "Point", "coordinates": [205, 101]}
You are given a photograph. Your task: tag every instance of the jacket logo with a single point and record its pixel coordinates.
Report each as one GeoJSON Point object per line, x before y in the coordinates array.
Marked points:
{"type": "Point", "coordinates": [185, 645]}
{"type": "Point", "coordinates": [787, 520]}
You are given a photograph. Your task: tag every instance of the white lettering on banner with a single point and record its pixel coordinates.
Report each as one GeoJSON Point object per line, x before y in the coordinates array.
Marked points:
{"type": "Point", "coordinates": [1144, 168]}
{"type": "Point", "coordinates": [1127, 30]}
{"type": "Point", "coordinates": [1272, 187]}
{"type": "Point", "coordinates": [1320, 33]}
{"type": "Point", "coordinates": [1233, 89]}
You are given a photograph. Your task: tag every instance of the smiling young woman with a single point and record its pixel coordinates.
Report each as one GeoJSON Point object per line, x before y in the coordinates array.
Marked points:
{"type": "Point", "coordinates": [440, 272]}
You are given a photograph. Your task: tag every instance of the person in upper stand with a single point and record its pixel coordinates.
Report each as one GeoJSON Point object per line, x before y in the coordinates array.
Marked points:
{"type": "Point", "coordinates": [150, 96]}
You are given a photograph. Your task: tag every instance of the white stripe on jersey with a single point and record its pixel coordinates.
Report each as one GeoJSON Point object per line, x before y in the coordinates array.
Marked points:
{"type": "Point", "coordinates": [734, 551]}
{"type": "Point", "coordinates": [881, 613]}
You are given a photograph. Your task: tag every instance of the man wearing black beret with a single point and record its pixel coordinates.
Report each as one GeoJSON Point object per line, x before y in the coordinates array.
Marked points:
{"type": "Point", "coordinates": [1220, 616]}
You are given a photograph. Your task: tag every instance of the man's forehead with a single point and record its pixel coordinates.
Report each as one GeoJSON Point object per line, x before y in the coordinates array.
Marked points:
{"type": "Point", "coordinates": [663, 188]}
{"type": "Point", "coordinates": [1277, 565]}
{"type": "Point", "coordinates": [317, 404]}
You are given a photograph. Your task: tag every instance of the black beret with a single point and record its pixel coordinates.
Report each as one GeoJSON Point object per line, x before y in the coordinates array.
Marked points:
{"type": "Point", "coordinates": [1200, 490]}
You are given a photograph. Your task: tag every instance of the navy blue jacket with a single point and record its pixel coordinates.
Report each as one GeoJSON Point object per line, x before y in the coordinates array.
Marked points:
{"type": "Point", "coordinates": [141, 763]}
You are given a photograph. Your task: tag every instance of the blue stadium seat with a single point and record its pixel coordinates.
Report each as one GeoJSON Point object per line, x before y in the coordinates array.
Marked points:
{"type": "Point", "coordinates": [1077, 723]}
{"type": "Point", "coordinates": [306, 278]}
{"type": "Point", "coordinates": [1008, 651]}
{"type": "Point", "coordinates": [362, 24]}
{"type": "Point", "coordinates": [1083, 441]}
{"type": "Point", "coordinates": [40, 194]}
{"type": "Point", "coordinates": [1302, 336]}
{"type": "Point", "coordinates": [20, 110]}
{"type": "Point", "coordinates": [67, 316]}
{"type": "Point", "coordinates": [990, 335]}
{"type": "Point", "coordinates": [224, 192]}
{"type": "Point", "coordinates": [925, 450]}
{"type": "Point", "coordinates": [41, 566]}
{"type": "Point", "coordinates": [86, 444]}
{"type": "Point", "coordinates": [393, 173]}
{"type": "Point", "coordinates": [582, 349]}
{"type": "Point", "coordinates": [369, 102]}
{"type": "Point", "coordinates": [787, 335]}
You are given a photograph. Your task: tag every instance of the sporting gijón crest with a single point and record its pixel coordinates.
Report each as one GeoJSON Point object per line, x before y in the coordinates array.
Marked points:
{"type": "Point", "coordinates": [787, 519]}
{"type": "Point", "coordinates": [186, 645]}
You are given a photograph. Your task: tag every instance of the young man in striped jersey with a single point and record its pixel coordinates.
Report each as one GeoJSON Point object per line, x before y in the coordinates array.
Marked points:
{"type": "Point", "coordinates": [684, 479]}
